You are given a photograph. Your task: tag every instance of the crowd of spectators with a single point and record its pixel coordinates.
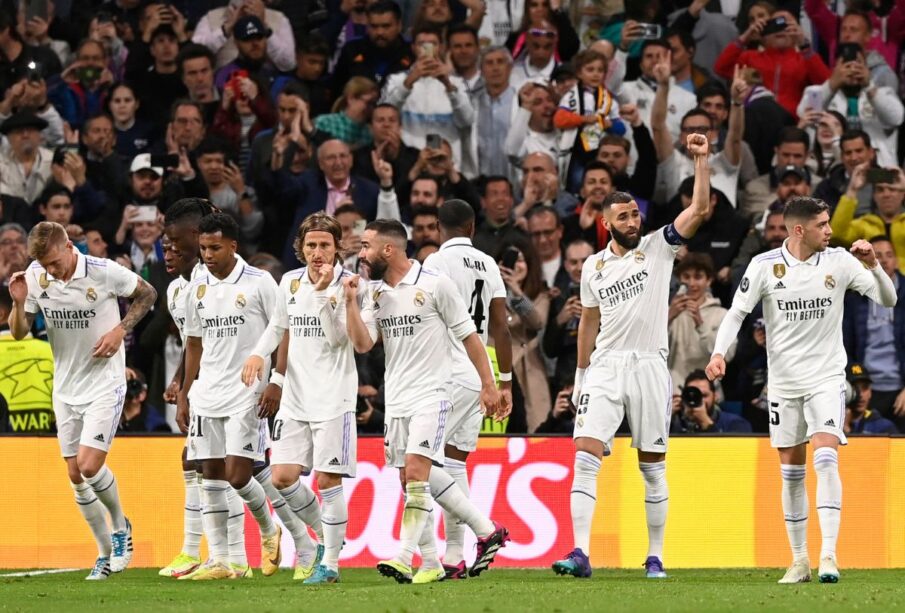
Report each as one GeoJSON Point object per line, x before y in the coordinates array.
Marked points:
{"type": "Point", "coordinates": [532, 112]}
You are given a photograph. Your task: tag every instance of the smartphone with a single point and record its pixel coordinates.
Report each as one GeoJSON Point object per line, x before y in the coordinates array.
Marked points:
{"type": "Point", "coordinates": [650, 31]}
{"type": "Point", "coordinates": [433, 141]}
{"type": "Point", "coordinates": [813, 100]}
{"type": "Point", "coordinates": [574, 291]}
{"type": "Point", "coordinates": [426, 50]}
{"type": "Point", "coordinates": [848, 52]}
{"type": "Point", "coordinates": [774, 26]}
{"type": "Point", "coordinates": [59, 154]}
{"type": "Point", "coordinates": [358, 228]}
{"type": "Point", "coordinates": [170, 160]}
{"type": "Point", "coordinates": [89, 74]}
{"type": "Point", "coordinates": [510, 257]}
{"type": "Point", "coordinates": [36, 8]}
{"type": "Point", "coordinates": [881, 175]}
{"type": "Point", "coordinates": [146, 213]}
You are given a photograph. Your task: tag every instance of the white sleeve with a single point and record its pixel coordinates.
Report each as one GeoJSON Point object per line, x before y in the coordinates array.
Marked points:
{"type": "Point", "coordinates": [497, 287]}
{"type": "Point", "coordinates": [268, 291]}
{"type": "Point", "coordinates": [728, 332]}
{"type": "Point", "coordinates": [367, 314]}
{"type": "Point", "coordinates": [192, 326]}
{"type": "Point", "coordinates": [279, 323]}
{"type": "Point", "coordinates": [518, 132]}
{"type": "Point", "coordinates": [209, 34]}
{"type": "Point", "coordinates": [452, 309]}
{"type": "Point", "coordinates": [588, 297]}
{"type": "Point", "coordinates": [875, 284]}
{"type": "Point", "coordinates": [750, 290]}
{"type": "Point", "coordinates": [281, 44]}
{"type": "Point", "coordinates": [121, 281]}
{"type": "Point", "coordinates": [388, 205]}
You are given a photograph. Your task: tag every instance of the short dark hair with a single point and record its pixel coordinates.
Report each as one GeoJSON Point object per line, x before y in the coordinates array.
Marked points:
{"type": "Point", "coordinates": [793, 134]}
{"type": "Point", "coordinates": [859, 13]}
{"type": "Point", "coordinates": [312, 43]}
{"type": "Point", "coordinates": [180, 102]}
{"type": "Point", "coordinates": [805, 208]}
{"type": "Point", "coordinates": [219, 222]}
{"type": "Point", "coordinates": [294, 88]}
{"type": "Point", "coordinates": [386, 105]}
{"type": "Point", "coordinates": [53, 189]}
{"type": "Point", "coordinates": [696, 261]}
{"type": "Point", "coordinates": [598, 165]}
{"type": "Point", "coordinates": [194, 51]}
{"type": "Point", "coordinates": [614, 139]}
{"type": "Point", "coordinates": [684, 37]}
{"type": "Point", "coordinates": [382, 7]}
{"type": "Point", "coordinates": [881, 238]}
{"type": "Point", "coordinates": [455, 214]}
{"type": "Point", "coordinates": [699, 375]}
{"type": "Point", "coordinates": [214, 144]}
{"type": "Point", "coordinates": [658, 42]}
{"type": "Point", "coordinates": [428, 28]}
{"type": "Point", "coordinates": [461, 28]}
{"type": "Point", "coordinates": [711, 89]}
{"type": "Point", "coordinates": [348, 208]}
{"type": "Point", "coordinates": [854, 135]}
{"type": "Point", "coordinates": [188, 210]}
{"type": "Point", "coordinates": [389, 228]}
{"type": "Point", "coordinates": [95, 116]}
{"type": "Point", "coordinates": [617, 198]}
{"type": "Point", "coordinates": [587, 56]}
{"type": "Point", "coordinates": [494, 179]}
{"type": "Point", "coordinates": [543, 209]}
{"type": "Point", "coordinates": [421, 211]}
{"type": "Point", "coordinates": [427, 177]}
{"type": "Point", "coordinates": [696, 112]}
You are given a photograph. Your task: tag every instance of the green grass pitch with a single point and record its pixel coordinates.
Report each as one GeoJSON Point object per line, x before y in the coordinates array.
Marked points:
{"type": "Point", "coordinates": [364, 591]}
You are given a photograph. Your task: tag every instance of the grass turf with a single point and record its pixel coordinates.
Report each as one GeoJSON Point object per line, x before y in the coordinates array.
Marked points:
{"type": "Point", "coordinates": [363, 590]}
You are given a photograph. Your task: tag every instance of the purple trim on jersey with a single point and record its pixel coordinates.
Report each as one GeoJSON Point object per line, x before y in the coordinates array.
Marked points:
{"type": "Point", "coordinates": [672, 236]}
{"type": "Point", "coordinates": [35, 264]}
{"type": "Point", "coordinates": [95, 262]}
{"type": "Point", "coordinates": [346, 436]}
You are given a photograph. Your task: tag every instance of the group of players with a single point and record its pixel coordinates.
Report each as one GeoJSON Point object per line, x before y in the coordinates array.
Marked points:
{"type": "Point", "coordinates": [235, 320]}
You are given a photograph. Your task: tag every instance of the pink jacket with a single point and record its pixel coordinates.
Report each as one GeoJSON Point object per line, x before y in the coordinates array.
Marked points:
{"type": "Point", "coordinates": [888, 31]}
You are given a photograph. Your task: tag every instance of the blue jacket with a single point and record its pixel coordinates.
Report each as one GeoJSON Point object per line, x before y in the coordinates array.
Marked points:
{"type": "Point", "coordinates": [873, 423]}
{"type": "Point", "coordinates": [854, 325]}
{"type": "Point", "coordinates": [307, 193]}
{"type": "Point", "coordinates": [729, 422]}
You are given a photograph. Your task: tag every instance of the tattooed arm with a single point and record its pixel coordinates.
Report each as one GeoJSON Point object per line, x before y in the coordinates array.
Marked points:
{"type": "Point", "coordinates": [143, 299]}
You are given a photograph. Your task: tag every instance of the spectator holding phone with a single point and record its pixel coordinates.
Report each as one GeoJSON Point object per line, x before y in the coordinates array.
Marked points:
{"type": "Point", "coordinates": [245, 110]}
{"type": "Point", "coordinates": [561, 419]}
{"type": "Point", "coordinates": [138, 237]}
{"type": "Point", "coordinates": [218, 31]}
{"type": "Point", "coordinates": [88, 80]}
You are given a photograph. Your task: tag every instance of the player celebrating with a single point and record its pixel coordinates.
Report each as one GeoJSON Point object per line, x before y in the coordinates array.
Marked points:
{"type": "Point", "coordinates": [415, 310]}
{"type": "Point", "coordinates": [627, 286]}
{"type": "Point", "coordinates": [477, 278]}
{"type": "Point", "coordinates": [316, 426]}
{"type": "Point", "coordinates": [78, 295]}
{"type": "Point", "coordinates": [802, 285]}
{"type": "Point", "coordinates": [227, 310]}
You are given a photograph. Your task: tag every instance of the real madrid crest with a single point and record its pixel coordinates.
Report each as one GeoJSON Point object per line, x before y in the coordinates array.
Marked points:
{"type": "Point", "coordinates": [779, 270]}
{"type": "Point", "coordinates": [599, 264]}
{"type": "Point", "coordinates": [375, 295]}
{"type": "Point", "coordinates": [294, 286]}
{"type": "Point", "coordinates": [419, 299]}
{"type": "Point", "coordinates": [240, 301]}
{"type": "Point", "coordinates": [829, 282]}
{"type": "Point", "coordinates": [43, 282]}
{"type": "Point", "coordinates": [639, 256]}
{"type": "Point", "coordinates": [176, 294]}
{"type": "Point", "coordinates": [333, 301]}
{"type": "Point", "coordinates": [200, 293]}
{"type": "Point", "coordinates": [91, 295]}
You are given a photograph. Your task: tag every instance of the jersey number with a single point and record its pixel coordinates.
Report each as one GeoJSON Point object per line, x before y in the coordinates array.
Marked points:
{"type": "Point", "coordinates": [476, 308]}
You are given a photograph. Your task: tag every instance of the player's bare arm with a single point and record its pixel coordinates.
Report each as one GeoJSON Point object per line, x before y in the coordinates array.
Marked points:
{"type": "Point", "coordinates": [490, 395]}
{"type": "Point", "coordinates": [193, 350]}
{"type": "Point", "coordinates": [19, 321]}
{"type": "Point", "coordinates": [689, 220]}
{"type": "Point", "coordinates": [172, 391]}
{"type": "Point", "coordinates": [143, 298]}
{"type": "Point", "coordinates": [358, 332]}
{"type": "Point", "coordinates": [588, 326]}
{"type": "Point", "coordinates": [269, 404]}
{"type": "Point", "coordinates": [502, 343]}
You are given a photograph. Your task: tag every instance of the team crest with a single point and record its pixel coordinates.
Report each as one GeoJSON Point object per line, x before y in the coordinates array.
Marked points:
{"type": "Point", "coordinates": [176, 294]}
{"type": "Point", "coordinates": [779, 270]}
{"type": "Point", "coordinates": [419, 299]}
{"type": "Point", "coordinates": [600, 264]}
{"type": "Point", "coordinates": [240, 301]}
{"type": "Point", "coordinates": [294, 286]}
{"type": "Point", "coordinates": [375, 295]}
{"type": "Point", "coordinates": [91, 295]}
{"type": "Point", "coordinates": [333, 301]}
{"type": "Point", "coordinates": [829, 282]}
{"type": "Point", "coordinates": [639, 256]}
{"type": "Point", "coordinates": [43, 282]}
{"type": "Point", "coordinates": [200, 293]}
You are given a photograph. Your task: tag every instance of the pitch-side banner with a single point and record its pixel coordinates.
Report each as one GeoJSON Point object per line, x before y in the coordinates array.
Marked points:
{"type": "Point", "coordinates": [724, 504]}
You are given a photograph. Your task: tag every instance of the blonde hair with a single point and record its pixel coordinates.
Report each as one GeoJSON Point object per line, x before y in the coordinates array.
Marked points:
{"type": "Point", "coordinates": [318, 222]}
{"type": "Point", "coordinates": [356, 86]}
{"type": "Point", "coordinates": [44, 237]}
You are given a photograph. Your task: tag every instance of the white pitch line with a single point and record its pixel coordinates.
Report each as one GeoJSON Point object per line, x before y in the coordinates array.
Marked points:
{"type": "Point", "coordinates": [49, 571]}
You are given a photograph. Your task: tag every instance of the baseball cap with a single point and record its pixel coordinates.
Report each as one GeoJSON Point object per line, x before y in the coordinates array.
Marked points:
{"type": "Point", "coordinates": [250, 27]}
{"type": "Point", "coordinates": [856, 372]}
{"type": "Point", "coordinates": [799, 171]}
{"type": "Point", "coordinates": [142, 161]}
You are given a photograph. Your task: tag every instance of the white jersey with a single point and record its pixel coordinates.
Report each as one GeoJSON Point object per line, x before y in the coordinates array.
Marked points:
{"type": "Point", "coordinates": [415, 319]}
{"type": "Point", "coordinates": [176, 302]}
{"type": "Point", "coordinates": [803, 306]}
{"type": "Point", "coordinates": [229, 316]}
{"type": "Point", "coordinates": [321, 379]}
{"type": "Point", "coordinates": [632, 293]}
{"type": "Point", "coordinates": [78, 313]}
{"type": "Point", "coordinates": [477, 278]}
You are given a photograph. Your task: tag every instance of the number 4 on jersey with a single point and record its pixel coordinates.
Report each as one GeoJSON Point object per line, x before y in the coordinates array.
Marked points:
{"type": "Point", "coordinates": [476, 307]}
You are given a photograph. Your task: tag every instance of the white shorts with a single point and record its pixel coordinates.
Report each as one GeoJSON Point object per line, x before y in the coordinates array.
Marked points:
{"type": "Point", "coordinates": [93, 424]}
{"type": "Point", "coordinates": [241, 434]}
{"type": "Point", "coordinates": [420, 434]}
{"type": "Point", "coordinates": [795, 420]}
{"type": "Point", "coordinates": [325, 446]}
{"type": "Point", "coordinates": [632, 385]}
{"type": "Point", "coordinates": [464, 423]}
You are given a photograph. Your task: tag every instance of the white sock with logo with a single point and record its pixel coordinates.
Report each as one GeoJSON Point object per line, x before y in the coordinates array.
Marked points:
{"type": "Point", "coordinates": [583, 498]}
{"type": "Point", "coordinates": [191, 525]}
{"type": "Point", "coordinates": [304, 504]}
{"type": "Point", "coordinates": [297, 529]}
{"type": "Point", "coordinates": [253, 495]}
{"type": "Point", "coordinates": [795, 508]}
{"type": "Point", "coordinates": [454, 501]}
{"type": "Point", "coordinates": [454, 526]}
{"type": "Point", "coordinates": [104, 485]}
{"type": "Point", "coordinates": [829, 498]}
{"type": "Point", "coordinates": [95, 515]}
{"type": "Point", "coordinates": [214, 515]}
{"type": "Point", "coordinates": [656, 504]}
{"type": "Point", "coordinates": [235, 528]}
{"type": "Point", "coordinates": [335, 518]}
{"type": "Point", "coordinates": [418, 506]}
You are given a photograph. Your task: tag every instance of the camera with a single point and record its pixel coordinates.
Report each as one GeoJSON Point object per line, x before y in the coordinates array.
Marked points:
{"type": "Point", "coordinates": [774, 26]}
{"type": "Point", "coordinates": [134, 388]}
{"type": "Point", "coordinates": [692, 397]}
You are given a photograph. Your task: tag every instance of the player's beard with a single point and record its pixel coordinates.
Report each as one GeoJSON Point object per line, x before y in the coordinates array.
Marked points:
{"type": "Point", "coordinates": [378, 268]}
{"type": "Point", "coordinates": [623, 240]}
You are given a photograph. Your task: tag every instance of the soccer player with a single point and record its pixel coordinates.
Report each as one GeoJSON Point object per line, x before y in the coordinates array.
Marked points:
{"type": "Point", "coordinates": [624, 299]}
{"type": "Point", "coordinates": [316, 427]}
{"type": "Point", "coordinates": [802, 286]}
{"type": "Point", "coordinates": [227, 310]}
{"type": "Point", "coordinates": [478, 281]}
{"type": "Point", "coordinates": [78, 296]}
{"type": "Point", "coordinates": [415, 310]}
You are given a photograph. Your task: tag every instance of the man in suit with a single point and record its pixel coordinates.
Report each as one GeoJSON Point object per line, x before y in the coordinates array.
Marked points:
{"type": "Point", "coordinates": [325, 189]}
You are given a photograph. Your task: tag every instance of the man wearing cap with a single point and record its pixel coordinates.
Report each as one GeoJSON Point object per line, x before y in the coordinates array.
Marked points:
{"type": "Point", "coordinates": [791, 149]}
{"type": "Point", "coordinates": [148, 187]}
{"type": "Point", "coordinates": [251, 37]}
{"type": "Point", "coordinates": [216, 32]}
{"type": "Point", "coordinates": [859, 418]}
{"type": "Point", "coordinates": [25, 165]}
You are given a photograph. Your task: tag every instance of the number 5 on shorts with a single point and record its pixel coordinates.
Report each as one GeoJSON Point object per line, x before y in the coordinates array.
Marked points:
{"type": "Point", "coordinates": [774, 414]}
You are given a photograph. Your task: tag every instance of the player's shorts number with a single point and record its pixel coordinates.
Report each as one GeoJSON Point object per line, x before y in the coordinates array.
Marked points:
{"type": "Point", "coordinates": [774, 413]}
{"type": "Point", "coordinates": [195, 428]}
{"type": "Point", "coordinates": [277, 429]}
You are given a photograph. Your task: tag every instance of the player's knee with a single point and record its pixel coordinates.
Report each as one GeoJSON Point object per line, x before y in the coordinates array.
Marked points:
{"type": "Point", "coordinates": [90, 466]}
{"type": "Point", "coordinates": [282, 479]}
{"type": "Point", "coordinates": [327, 480]}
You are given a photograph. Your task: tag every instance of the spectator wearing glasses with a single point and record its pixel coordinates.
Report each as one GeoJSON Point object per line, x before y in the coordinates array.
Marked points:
{"type": "Point", "coordinates": [536, 64]}
{"type": "Point", "coordinates": [546, 231]}
{"type": "Point", "coordinates": [13, 253]}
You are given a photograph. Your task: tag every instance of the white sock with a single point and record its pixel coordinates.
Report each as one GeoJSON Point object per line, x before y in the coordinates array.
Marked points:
{"type": "Point", "coordinates": [104, 485]}
{"type": "Point", "coordinates": [253, 495]}
{"type": "Point", "coordinates": [454, 527]}
{"type": "Point", "coordinates": [418, 506]}
{"type": "Point", "coordinates": [656, 503]}
{"type": "Point", "coordinates": [96, 516]}
{"type": "Point", "coordinates": [829, 498]}
{"type": "Point", "coordinates": [335, 518]}
{"type": "Point", "coordinates": [235, 529]}
{"type": "Point", "coordinates": [214, 515]}
{"type": "Point", "coordinates": [191, 525]}
{"type": "Point", "coordinates": [583, 498]}
{"type": "Point", "coordinates": [303, 503]}
{"type": "Point", "coordinates": [454, 501]}
{"type": "Point", "coordinates": [296, 528]}
{"type": "Point", "coordinates": [795, 508]}
{"type": "Point", "coordinates": [427, 545]}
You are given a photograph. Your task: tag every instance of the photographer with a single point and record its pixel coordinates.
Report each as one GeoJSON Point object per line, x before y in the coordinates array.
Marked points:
{"type": "Point", "coordinates": [859, 418]}
{"type": "Point", "coordinates": [700, 413]}
{"type": "Point", "coordinates": [561, 419]}
{"type": "Point", "coordinates": [137, 415]}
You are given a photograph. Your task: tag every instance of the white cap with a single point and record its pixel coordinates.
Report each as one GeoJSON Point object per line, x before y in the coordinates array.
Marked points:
{"type": "Point", "coordinates": [142, 161]}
